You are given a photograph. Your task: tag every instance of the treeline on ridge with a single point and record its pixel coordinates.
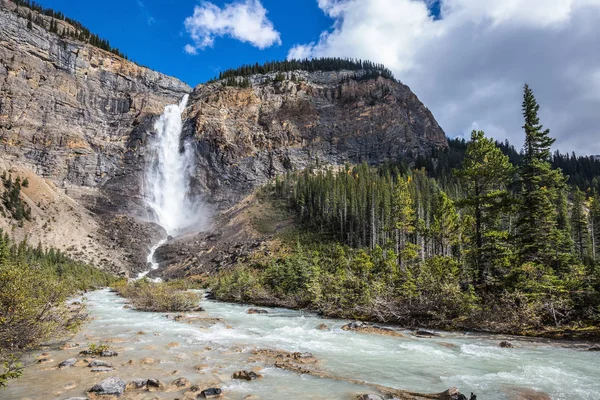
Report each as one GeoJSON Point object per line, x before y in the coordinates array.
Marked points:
{"type": "Point", "coordinates": [310, 65]}
{"type": "Point", "coordinates": [80, 32]}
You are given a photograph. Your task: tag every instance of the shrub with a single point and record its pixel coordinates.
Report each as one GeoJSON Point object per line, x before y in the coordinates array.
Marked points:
{"type": "Point", "coordinates": [146, 295]}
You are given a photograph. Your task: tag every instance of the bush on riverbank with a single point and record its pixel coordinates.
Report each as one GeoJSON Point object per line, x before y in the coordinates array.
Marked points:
{"type": "Point", "coordinates": [146, 295]}
{"type": "Point", "coordinates": [34, 285]}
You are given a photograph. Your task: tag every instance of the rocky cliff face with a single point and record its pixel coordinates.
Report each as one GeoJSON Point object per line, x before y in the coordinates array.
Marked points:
{"type": "Point", "coordinates": [74, 116]}
{"type": "Point", "coordinates": [246, 136]}
{"type": "Point", "coordinates": [76, 121]}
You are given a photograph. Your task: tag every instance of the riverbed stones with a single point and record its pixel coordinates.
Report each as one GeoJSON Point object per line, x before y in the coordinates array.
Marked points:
{"type": "Point", "coordinates": [68, 363]}
{"type": "Point", "coordinates": [147, 361]}
{"type": "Point", "coordinates": [256, 311]}
{"type": "Point", "coordinates": [112, 386]}
{"type": "Point", "coordinates": [246, 375]}
{"type": "Point", "coordinates": [211, 393]}
{"type": "Point", "coordinates": [109, 353]}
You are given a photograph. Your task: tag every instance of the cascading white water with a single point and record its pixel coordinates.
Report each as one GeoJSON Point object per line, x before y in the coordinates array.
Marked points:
{"type": "Point", "coordinates": [168, 176]}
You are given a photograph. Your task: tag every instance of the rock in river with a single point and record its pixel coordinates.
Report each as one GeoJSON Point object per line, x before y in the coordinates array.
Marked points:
{"type": "Point", "coordinates": [256, 311]}
{"type": "Point", "coordinates": [67, 363]}
{"type": "Point", "coordinates": [211, 393]}
{"type": "Point", "coordinates": [246, 375]}
{"type": "Point", "coordinates": [112, 386]}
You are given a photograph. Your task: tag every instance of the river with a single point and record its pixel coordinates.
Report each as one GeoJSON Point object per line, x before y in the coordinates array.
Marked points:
{"type": "Point", "coordinates": [208, 351]}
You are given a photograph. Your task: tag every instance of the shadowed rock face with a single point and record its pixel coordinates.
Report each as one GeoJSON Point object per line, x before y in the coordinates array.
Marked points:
{"type": "Point", "coordinates": [246, 136]}
{"type": "Point", "coordinates": [79, 119]}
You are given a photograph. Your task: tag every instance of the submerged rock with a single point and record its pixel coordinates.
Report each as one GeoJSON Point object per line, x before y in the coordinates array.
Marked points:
{"type": "Point", "coordinates": [181, 383]}
{"type": "Point", "coordinates": [369, 328]}
{"type": "Point", "coordinates": [425, 333]}
{"type": "Point", "coordinates": [112, 386]}
{"type": "Point", "coordinates": [322, 327]}
{"type": "Point", "coordinates": [246, 375]}
{"type": "Point", "coordinates": [211, 393]}
{"type": "Point", "coordinates": [256, 311]}
{"type": "Point", "coordinates": [506, 345]}
{"type": "Point", "coordinates": [68, 363]}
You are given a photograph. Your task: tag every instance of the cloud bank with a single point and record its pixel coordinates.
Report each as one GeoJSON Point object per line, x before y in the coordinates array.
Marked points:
{"type": "Point", "coordinates": [242, 20]}
{"type": "Point", "coordinates": [469, 64]}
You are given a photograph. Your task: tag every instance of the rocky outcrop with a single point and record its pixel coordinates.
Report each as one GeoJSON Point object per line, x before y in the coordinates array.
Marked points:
{"type": "Point", "coordinates": [246, 136]}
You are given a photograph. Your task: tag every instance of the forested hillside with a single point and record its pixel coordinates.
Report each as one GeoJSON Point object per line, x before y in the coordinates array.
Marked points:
{"type": "Point", "coordinates": [475, 242]}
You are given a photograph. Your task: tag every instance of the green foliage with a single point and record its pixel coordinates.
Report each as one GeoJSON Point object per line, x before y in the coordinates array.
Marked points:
{"type": "Point", "coordinates": [34, 285]}
{"type": "Point", "coordinates": [12, 201]}
{"type": "Point", "coordinates": [96, 349]}
{"type": "Point", "coordinates": [146, 295]}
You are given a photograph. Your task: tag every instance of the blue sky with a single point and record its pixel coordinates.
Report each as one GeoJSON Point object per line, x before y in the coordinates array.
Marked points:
{"type": "Point", "coordinates": [152, 33]}
{"type": "Point", "coordinates": [467, 60]}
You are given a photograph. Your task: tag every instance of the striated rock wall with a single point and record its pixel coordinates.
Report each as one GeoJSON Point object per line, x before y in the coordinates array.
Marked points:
{"type": "Point", "coordinates": [76, 116]}
{"type": "Point", "coordinates": [246, 136]}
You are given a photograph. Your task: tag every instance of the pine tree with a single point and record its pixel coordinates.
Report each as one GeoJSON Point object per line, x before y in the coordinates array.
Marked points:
{"type": "Point", "coordinates": [485, 175]}
{"type": "Point", "coordinates": [30, 21]}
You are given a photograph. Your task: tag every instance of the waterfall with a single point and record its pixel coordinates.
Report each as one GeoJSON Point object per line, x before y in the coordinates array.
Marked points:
{"type": "Point", "coordinates": [168, 176]}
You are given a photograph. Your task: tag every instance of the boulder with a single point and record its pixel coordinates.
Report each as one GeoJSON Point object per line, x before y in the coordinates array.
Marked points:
{"type": "Point", "coordinates": [322, 327]}
{"type": "Point", "coordinates": [154, 385]}
{"type": "Point", "coordinates": [112, 386]}
{"type": "Point", "coordinates": [211, 393]}
{"type": "Point", "coordinates": [68, 363]}
{"type": "Point", "coordinates": [246, 375]}
{"type": "Point", "coordinates": [109, 353]}
{"type": "Point", "coordinates": [256, 311]}
{"type": "Point", "coordinates": [99, 363]}
{"type": "Point", "coordinates": [506, 345]}
{"type": "Point", "coordinates": [353, 326]}
{"type": "Point", "coordinates": [369, 397]}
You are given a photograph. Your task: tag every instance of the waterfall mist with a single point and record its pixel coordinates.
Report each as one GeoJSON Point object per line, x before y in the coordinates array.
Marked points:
{"type": "Point", "coordinates": [168, 176]}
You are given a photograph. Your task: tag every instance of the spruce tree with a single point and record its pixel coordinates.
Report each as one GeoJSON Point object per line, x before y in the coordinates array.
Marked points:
{"type": "Point", "coordinates": [485, 175]}
{"type": "Point", "coordinates": [538, 236]}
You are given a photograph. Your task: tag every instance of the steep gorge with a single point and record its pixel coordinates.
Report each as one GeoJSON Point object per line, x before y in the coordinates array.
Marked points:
{"type": "Point", "coordinates": [78, 121]}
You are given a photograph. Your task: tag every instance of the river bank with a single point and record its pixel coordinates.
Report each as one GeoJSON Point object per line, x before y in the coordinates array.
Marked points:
{"type": "Point", "coordinates": [208, 348]}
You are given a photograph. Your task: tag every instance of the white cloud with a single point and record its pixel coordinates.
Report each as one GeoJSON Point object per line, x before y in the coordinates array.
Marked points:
{"type": "Point", "coordinates": [469, 66]}
{"type": "Point", "coordinates": [242, 20]}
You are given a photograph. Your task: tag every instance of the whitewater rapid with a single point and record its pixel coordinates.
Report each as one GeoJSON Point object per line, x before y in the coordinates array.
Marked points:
{"type": "Point", "coordinates": [208, 354]}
